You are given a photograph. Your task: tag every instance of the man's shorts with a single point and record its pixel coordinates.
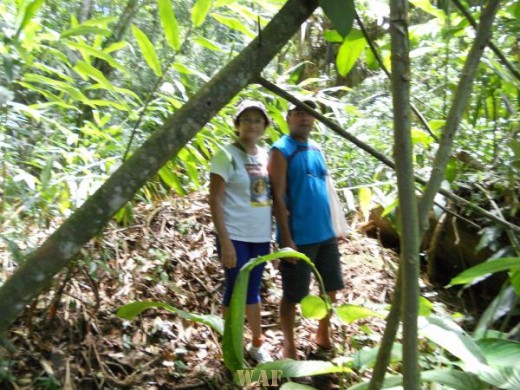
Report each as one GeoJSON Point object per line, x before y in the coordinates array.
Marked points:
{"type": "Point", "coordinates": [296, 278]}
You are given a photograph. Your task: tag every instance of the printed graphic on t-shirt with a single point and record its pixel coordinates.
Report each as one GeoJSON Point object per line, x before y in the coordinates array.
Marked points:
{"type": "Point", "coordinates": [259, 185]}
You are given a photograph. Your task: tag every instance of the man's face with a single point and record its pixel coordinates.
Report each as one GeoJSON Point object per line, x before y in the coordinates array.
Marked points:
{"type": "Point", "coordinates": [300, 122]}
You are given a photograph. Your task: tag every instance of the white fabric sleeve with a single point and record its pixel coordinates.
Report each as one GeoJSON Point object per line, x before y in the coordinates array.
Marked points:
{"type": "Point", "coordinates": [222, 164]}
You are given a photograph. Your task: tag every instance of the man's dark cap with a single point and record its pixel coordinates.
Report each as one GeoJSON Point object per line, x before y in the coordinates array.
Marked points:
{"type": "Point", "coordinates": [310, 103]}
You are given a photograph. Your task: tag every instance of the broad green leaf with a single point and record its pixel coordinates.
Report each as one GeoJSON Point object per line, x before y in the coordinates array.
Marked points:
{"type": "Point", "coordinates": [349, 313]}
{"type": "Point", "coordinates": [341, 14]}
{"type": "Point", "coordinates": [169, 23]}
{"type": "Point", "coordinates": [233, 24]}
{"type": "Point", "coordinates": [200, 11]}
{"type": "Point", "coordinates": [501, 352]}
{"type": "Point", "coordinates": [507, 378]}
{"type": "Point", "coordinates": [448, 335]}
{"type": "Point", "coordinates": [171, 179]}
{"type": "Point", "coordinates": [103, 21]}
{"type": "Point", "coordinates": [133, 309]}
{"type": "Point", "coordinates": [27, 12]}
{"type": "Point", "coordinates": [84, 30]}
{"type": "Point", "coordinates": [147, 50]}
{"type": "Point", "coordinates": [313, 307]}
{"type": "Point", "coordinates": [487, 268]}
{"type": "Point", "coordinates": [234, 325]}
{"type": "Point", "coordinates": [349, 51]}
{"type": "Point", "coordinates": [87, 71]}
{"type": "Point", "coordinates": [503, 303]}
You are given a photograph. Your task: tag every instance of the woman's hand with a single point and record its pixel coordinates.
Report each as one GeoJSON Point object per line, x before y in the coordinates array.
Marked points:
{"type": "Point", "coordinates": [228, 254]}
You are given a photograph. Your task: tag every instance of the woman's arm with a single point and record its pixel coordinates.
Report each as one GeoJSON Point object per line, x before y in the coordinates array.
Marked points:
{"type": "Point", "coordinates": [216, 199]}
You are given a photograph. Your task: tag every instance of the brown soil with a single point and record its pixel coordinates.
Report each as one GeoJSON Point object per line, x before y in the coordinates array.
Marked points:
{"type": "Point", "coordinates": [71, 338]}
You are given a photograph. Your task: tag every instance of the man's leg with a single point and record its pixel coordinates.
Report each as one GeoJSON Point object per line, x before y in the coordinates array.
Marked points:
{"type": "Point", "coordinates": [287, 320]}
{"type": "Point", "coordinates": [323, 334]}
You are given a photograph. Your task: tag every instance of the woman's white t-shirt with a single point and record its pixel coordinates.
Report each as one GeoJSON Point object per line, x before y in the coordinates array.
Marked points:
{"type": "Point", "coordinates": [247, 196]}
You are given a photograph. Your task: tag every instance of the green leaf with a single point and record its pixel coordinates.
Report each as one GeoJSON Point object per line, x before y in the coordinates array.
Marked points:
{"type": "Point", "coordinates": [132, 310]}
{"type": "Point", "coordinates": [86, 51]}
{"type": "Point", "coordinates": [454, 379]}
{"type": "Point", "coordinates": [507, 378]}
{"type": "Point", "coordinates": [341, 13]}
{"type": "Point", "coordinates": [425, 307]}
{"type": "Point", "coordinates": [349, 313]}
{"type": "Point", "coordinates": [332, 36]}
{"type": "Point", "coordinates": [85, 30]}
{"type": "Point", "coordinates": [200, 11]}
{"type": "Point", "coordinates": [501, 352]}
{"type": "Point", "coordinates": [169, 23]}
{"type": "Point", "coordinates": [147, 50]}
{"type": "Point", "coordinates": [349, 51]}
{"type": "Point", "coordinates": [208, 44]}
{"type": "Point", "coordinates": [234, 324]}
{"type": "Point", "coordinates": [447, 334]}
{"type": "Point", "coordinates": [486, 269]}
{"type": "Point", "coordinates": [26, 14]}
{"type": "Point", "coordinates": [167, 175]}
{"type": "Point", "coordinates": [86, 71]}
{"type": "Point", "coordinates": [427, 6]}
{"type": "Point", "coordinates": [233, 24]}
{"type": "Point", "coordinates": [313, 307]}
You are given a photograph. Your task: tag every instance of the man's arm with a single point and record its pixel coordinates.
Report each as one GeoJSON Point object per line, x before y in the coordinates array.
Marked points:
{"type": "Point", "coordinates": [277, 168]}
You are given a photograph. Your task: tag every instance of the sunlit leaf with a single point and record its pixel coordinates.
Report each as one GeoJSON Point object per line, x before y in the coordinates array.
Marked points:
{"type": "Point", "coordinates": [200, 11]}
{"type": "Point", "coordinates": [448, 335]}
{"type": "Point", "coordinates": [313, 307]}
{"type": "Point", "coordinates": [349, 51]}
{"type": "Point", "coordinates": [147, 50]}
{"type": "Point", "coordinates": [365, 199]}
{"type": "Point", "coordinates": [169, 23]}
{"type": "Point", "coordinates": [171, 179]}
{"type": "Point", "coordinates": [349, 313]}
{"type": "Point", "coordinates": [26, 14]}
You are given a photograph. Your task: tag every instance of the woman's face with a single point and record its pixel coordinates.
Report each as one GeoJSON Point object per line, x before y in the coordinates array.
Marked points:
{"type": "Point", "coordinates": [251, 125]}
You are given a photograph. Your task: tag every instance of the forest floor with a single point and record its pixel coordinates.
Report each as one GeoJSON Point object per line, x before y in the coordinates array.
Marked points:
{"type": "Point", "coordinates": [71, 338]}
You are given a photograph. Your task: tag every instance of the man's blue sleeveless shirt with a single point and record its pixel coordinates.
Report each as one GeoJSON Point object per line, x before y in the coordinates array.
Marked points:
{"type": "Point", "coordinates": [306, 194]}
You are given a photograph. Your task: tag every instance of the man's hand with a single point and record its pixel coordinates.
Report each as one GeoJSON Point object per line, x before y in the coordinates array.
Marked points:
{"type": "Point", "coordinates": [289, 244]}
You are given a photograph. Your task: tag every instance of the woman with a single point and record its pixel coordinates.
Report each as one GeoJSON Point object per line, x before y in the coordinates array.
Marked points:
{"type": "Point", "coordinates": [240, 203]}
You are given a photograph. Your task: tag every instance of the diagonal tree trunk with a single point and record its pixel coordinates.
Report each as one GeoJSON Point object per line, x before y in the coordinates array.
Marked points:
{"type": "Point", "coordinates": [60, 248]}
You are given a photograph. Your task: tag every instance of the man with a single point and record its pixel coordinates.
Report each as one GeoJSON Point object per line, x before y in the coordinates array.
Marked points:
{"type": "Point", "coordinates": [298, 171]}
